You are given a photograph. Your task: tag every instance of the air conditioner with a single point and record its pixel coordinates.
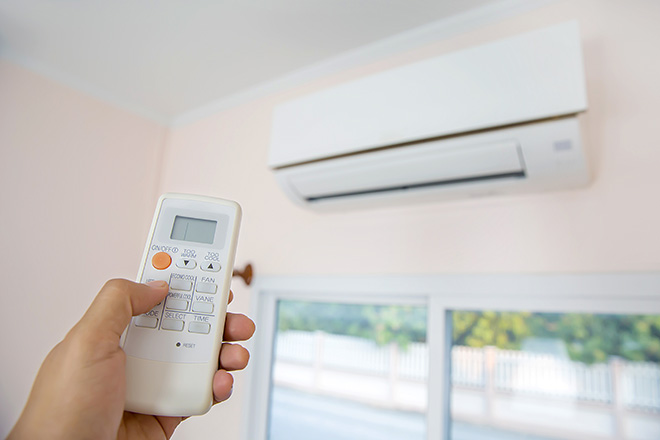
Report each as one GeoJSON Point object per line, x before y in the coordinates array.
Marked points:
{"type": "Point", "coordinates": [497, 118]}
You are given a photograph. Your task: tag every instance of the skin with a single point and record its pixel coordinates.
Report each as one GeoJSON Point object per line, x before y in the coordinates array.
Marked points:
{"type": "Point", "coordinates": [80, 388]}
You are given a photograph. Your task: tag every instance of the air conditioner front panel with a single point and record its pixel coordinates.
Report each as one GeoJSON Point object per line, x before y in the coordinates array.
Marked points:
{"type": "Point", "coordinates": [523, 78]}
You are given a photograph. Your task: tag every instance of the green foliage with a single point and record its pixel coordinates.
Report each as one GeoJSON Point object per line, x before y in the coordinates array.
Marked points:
{"type": "Point", "coordinates": [505, 330]}
{"type": "Point", "coordinates": [589, 338]}
{"type": "Point", "coordinates": [383, 324]}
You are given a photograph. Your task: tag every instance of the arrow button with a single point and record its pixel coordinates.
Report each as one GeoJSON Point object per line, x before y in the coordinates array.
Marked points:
{"type": "Point", "coordinates": [211, 266]}
{"type": "Point", "coordinates": [186, 263]}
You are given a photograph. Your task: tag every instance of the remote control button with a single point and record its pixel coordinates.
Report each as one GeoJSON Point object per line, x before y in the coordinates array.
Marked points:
{"type": "Point", "coordinates": [198, 327]}
{"type": "Point", "coordinates": [203, 307]}
{"type": "Point", "coordinates": [211, 266]}
{"type": "Point", "coordinates": [146, 321]}
{"type": "Point", "coordinates": [177, 304]}
{"type": "Point", "coordinates": [172, 324]}
{"type": "Point", "coordinates": [161, 260]}
{"type": "Point", "coordinates": [186, 263]}
{"type": "Point", "coordinates": [181, 284]}
{"type": "Point", "coordinates": [206, 288]}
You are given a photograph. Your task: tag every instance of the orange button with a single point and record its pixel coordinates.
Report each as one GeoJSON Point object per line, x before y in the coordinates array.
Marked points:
{"type": "Point", "coordinates": [161, 260]}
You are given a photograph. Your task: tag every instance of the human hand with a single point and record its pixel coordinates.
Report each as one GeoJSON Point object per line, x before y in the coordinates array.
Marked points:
{"type": "Point", "coordinates": [80, 388]}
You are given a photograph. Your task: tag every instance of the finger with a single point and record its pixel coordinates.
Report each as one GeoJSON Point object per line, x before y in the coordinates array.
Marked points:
{"type": "Point", "coordinates": [223, 384]}
{"type": "Point", "coordinates": [231, 297]}
{"type": "Point", "coordinates": [147, 426]}
{"type": "Point", "coordinates": [233, 357]}
{"type": "Point", "coordinates": [169, 424]}
{"type": "Point", "coordinates": [238, 327]}
{"type": "Point", "coordinates": [117, 302]}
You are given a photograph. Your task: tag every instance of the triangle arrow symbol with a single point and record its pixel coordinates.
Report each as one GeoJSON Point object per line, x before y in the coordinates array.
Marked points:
{"type": "Point", "coordinates": [185, 262]}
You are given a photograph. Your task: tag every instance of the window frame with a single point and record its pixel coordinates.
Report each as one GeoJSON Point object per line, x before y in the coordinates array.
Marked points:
{"type": "Point", "coordinates": [624, 293]}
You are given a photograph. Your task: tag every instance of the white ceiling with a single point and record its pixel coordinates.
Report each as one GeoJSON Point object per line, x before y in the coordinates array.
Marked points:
{"type": "Point", "coordinates": [168, 57]}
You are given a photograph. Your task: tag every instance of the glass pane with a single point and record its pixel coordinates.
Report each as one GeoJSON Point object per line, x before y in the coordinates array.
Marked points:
{"type": "Point", "coordinates": [349, 372]}
{"type": "Point", "coordinates": [543, 376]}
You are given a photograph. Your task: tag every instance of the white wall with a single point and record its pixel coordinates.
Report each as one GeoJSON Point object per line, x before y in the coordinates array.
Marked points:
{"type": "Point", "coordinates": [610, 226]}
{"type": "Point", "coordinates": [78, 182]}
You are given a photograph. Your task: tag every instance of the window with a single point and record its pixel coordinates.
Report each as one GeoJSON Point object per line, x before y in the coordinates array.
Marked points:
{"type": "Point", "coordinates": [507, 357]}
{"type": "Point", "coordinates": [554, 375]}
{"type": "Point", "coordinates": [341, 369]}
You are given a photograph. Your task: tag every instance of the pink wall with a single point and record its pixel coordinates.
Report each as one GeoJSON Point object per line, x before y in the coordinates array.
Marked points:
{"type": "Point", "coordinates": [610, 226]}
{"type": "Point", "coordinates": [79, 186]}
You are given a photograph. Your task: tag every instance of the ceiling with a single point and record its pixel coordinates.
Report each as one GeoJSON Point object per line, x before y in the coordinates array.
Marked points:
{"type": "Point", "coordinates": [168, 57]}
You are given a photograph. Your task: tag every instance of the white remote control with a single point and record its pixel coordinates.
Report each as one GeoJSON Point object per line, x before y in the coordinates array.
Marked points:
{"type": "Point", "coordinates": [172, 351]}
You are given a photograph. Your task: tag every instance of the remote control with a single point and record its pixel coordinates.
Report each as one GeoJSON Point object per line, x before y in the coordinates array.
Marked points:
{"type": "Point", "coordinates": [172, 350]}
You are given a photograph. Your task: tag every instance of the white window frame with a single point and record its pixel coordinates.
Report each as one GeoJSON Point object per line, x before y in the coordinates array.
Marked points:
{"type": "Point", "coordinates": [637, 293]}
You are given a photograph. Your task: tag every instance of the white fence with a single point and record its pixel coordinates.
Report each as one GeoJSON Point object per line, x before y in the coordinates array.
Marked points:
{"type": "Point", "coordinates": [632, 385]}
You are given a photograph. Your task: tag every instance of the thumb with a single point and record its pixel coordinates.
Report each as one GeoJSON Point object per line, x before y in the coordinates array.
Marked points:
{"type": "Point", "coordinates": [117, 302]}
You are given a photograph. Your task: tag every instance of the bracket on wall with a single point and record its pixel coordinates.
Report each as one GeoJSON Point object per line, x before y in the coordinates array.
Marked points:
{"type": "Point", "coordinates": [245, 274]}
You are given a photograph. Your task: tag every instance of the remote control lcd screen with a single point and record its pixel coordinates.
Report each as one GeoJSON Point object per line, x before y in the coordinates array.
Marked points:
{"type": "Point", "coordinates": [193, 229]}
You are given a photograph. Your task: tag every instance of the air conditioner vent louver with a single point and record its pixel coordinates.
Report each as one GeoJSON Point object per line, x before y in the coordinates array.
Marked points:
{"type": "Point", "coordinates": [419, 166]}
{"type": "Point", "coordinates": [475, 179]}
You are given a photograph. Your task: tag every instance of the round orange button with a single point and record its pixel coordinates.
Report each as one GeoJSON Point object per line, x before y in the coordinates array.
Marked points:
{"type": "Point", "coordinates": [161, 260]}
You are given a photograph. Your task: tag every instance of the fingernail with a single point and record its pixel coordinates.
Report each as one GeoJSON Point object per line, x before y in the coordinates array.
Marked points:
{"type": "Point", "coordinates": [157, 284]}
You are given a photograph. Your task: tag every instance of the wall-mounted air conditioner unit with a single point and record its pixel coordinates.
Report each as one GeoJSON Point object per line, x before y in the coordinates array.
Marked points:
{"type": "Point", "coordinates": [497, 118]}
